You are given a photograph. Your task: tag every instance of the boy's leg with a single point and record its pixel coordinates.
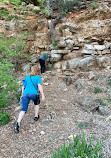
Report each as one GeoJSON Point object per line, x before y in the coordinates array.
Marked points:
{"type": "Point", "coordinates": [42, 64]}
{"type": "Point", "coordinates": [17, 124]}
{"type": "Point", "coordinates": [21, 115]}
{"type": "Point", "coordinates": [36, 110]}
{"type": "Point", "coordinates": [43, 69]}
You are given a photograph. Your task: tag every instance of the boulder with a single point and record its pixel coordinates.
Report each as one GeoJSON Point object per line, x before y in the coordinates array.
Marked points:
{"type": "Point", "coordinates": [60, 52]}
{"type": "Point", "coordinates": [80, 84]}
{"type": "Point", "coordinates": [55, 57]}
{"type": "Point", "coordinates": [88, 103]}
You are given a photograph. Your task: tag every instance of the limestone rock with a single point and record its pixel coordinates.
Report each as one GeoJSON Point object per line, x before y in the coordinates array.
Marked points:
{"type": "Point", "coordinates": [55, 57]}
{"type": "Point", "coordinates": [80, 84]}
{"type": "Point", "coordinates": [88, 103]}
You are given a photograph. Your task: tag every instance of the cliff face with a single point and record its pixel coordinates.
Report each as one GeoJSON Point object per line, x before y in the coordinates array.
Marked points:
{"type": "Point", "coordinates": [84, 37]}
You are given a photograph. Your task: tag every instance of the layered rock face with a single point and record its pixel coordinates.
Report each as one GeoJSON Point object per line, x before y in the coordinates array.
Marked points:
{"type": "Point", "coordinates": [84, 40]}
{"type": "Point", "coordinates": [84, 37]}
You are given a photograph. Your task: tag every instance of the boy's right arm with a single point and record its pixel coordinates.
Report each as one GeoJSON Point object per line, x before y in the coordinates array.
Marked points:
{"type": "Point", "coordinates": [41, 91]}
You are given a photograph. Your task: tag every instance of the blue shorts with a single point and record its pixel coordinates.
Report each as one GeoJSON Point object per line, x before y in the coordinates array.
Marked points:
{"type": "Point", "coordinates": [26, 99]}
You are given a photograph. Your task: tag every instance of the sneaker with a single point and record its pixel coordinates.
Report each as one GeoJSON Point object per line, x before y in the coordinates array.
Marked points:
{"type": "Point", "coordinates": [36, 118]}
{"type": "Point", "coordinates": [16, 128]}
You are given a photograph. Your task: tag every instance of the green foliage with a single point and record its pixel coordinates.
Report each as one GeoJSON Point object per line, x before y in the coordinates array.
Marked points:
{"type": "Point", "coordinates": [67, 5]}
{"type": "Point", "coordinates": [93, 5]}
{"type": "Point", "coordinates": [3, 101]}
{"type": "Point", "coordinates": [46, 11]}
{"type": "Point", "coordinates": [79, 148]}
{"type": "Point", "coordinates": [4, 118]}
{"type": "Point", "coordinates": [3, 1]}
{"type": "Point", "coordinates": [102, 102]}
{"type": "Point", "coordinates": [23, 8]}
{"type": "Point", "coordinates": [54, 43]}
{"type": "Point", "coordinates": [40, 3]}
{"type": "Point", "coordinates": [15, 2]}
{"type": "Point", "coordinates": [83, 125]}
{"type": "Point", "coordinates": [109, 100]}
{"type": "Point", "coordinates": [109, 82]}
{"type": "Point", "coordinates": [11, 49]}
{"type": "Point", "coordinates": [97, 90]}
{"type": "Point", "coordinates": [3, 13]}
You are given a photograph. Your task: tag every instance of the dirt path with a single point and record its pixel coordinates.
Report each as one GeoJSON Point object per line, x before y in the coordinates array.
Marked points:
{"type": "Point", "coordinates": [59, 118]}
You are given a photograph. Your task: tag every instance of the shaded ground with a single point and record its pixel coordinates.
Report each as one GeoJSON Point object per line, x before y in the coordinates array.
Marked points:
{"type": "Point", "coordinates": [60, 117]}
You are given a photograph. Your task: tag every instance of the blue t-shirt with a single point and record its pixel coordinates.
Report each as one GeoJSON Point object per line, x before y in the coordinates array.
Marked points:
{"type": "Point", "coordinates": [29, 87]}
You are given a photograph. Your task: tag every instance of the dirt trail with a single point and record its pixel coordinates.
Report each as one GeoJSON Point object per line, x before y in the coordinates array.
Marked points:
{"type": "Point", "coordinates": [59, 118]}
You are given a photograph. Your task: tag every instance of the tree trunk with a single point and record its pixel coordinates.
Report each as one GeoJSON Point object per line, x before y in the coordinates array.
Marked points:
{"type": "Point", "coordinates": [52, 26]}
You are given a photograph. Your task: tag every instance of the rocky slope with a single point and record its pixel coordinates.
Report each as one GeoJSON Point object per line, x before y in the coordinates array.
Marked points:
{"type": "Point", "coordinates": [60, 117]}
{"type": "Point", "coordinates": [78, 92]}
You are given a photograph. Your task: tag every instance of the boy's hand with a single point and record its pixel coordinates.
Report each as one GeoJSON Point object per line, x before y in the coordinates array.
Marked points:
{"type": "Point", "coordinates": [43, 98]}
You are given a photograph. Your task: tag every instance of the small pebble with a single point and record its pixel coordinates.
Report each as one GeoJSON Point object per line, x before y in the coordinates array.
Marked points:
{"type": "Point", "coordinates": [42, 132]}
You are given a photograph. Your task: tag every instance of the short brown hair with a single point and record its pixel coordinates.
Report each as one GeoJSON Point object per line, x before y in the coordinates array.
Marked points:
{"type": "Point", "coordinates": [35, 71]}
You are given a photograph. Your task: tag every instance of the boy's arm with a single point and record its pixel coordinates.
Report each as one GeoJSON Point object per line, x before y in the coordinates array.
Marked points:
{"type": "Point", "coordinates": [41, 91]}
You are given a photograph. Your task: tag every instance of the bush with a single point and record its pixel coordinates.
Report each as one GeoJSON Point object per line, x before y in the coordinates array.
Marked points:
{"type": "Point", "coordinates": [80, 149]}
{"type": "Point", "coordinates": [11, 50]}
{"type": "Point", "coordinates": [3, 13]}
{"type": "Point", "coordinates": [65, 6]}
{"type": "Point", "coordinates": [5, 2]}
{"type": "Point", "coordinates": [109, 82]}
{"type": "Point", "coordinates": [97, 90]}
{"type": "Point", "coordinates": [3, 101]}
{"type": "Point", "coordinates": [4, 118]}
{"type": "Point", "coordinates": [94, 5]}
{"type": "Point", "coordinates": [109, 100]}
{"type": "Point", "coordinates": [102, 102]}
{"type": "Point", "coordinates": [15, 2]}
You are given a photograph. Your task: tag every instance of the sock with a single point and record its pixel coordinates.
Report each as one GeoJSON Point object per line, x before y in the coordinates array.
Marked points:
{"type": "Point", "coordinates": [18, 123]}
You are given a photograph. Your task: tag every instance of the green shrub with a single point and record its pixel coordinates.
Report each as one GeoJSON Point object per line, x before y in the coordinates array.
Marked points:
{"type": "Point", "coordinates": [97, 90]}
{"type": "Point", "coordinates": [93, 5]}
{"type": "Point", "coordinates": [15, 2]}
{"type": "Point", "coordinates": [109, 82]}
{"type": "Point", "coordinates": [54, 43]}
{"type": "Point", "coordinates": [67, 5]}
{"type": "Point", "coordinates": [83, 125]}
{"type": "Point", "coordinates": [5, 2]}
{"type": "Point", "coordinates": [23, 8]}
{"type": "Point", "coordinates": [3, 99]}
{"type": "Point", "coordinates": [4, 118]}
{"type": "Point", "coordinates": [11, 49]}
{"type": "Point", "coordinates": [102, 102]}
{"type": "Point", "coordinates": [3, 13]}
{"type": "Point", "coordinates": [109, 100]}
{"type": "Point", "coordinates": [79, 148]}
